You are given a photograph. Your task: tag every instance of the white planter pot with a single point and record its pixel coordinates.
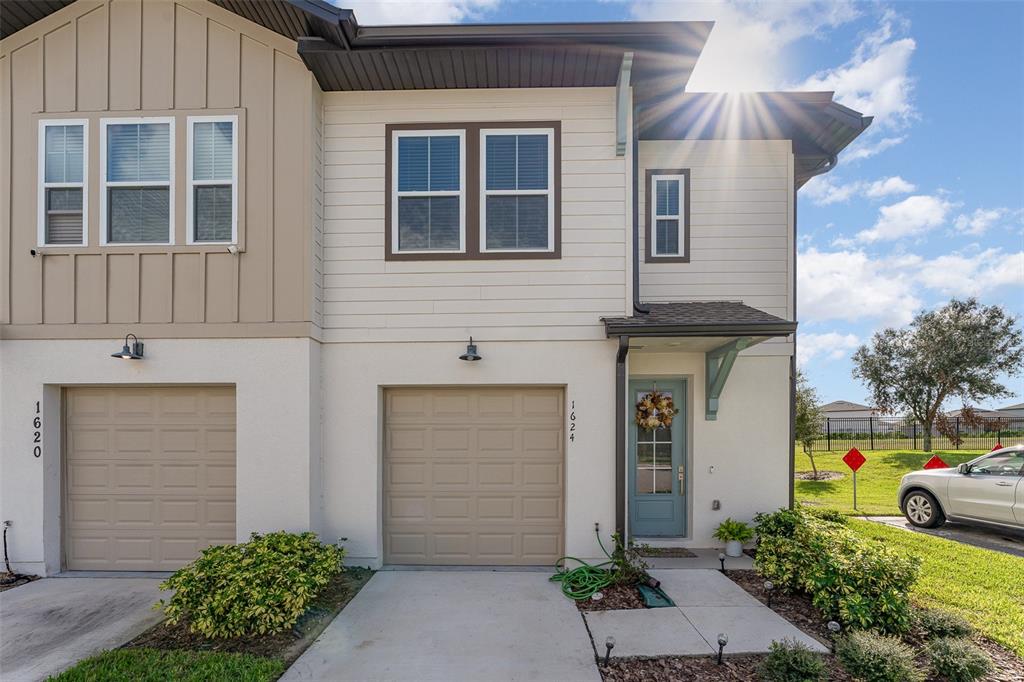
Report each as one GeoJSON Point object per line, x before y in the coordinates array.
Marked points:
{"type": "Point", "coordinates": [734, 548]}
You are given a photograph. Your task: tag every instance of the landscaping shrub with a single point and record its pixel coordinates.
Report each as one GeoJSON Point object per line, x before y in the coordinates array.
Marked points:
{"type": "Point", "coordinates": [937, 623]}
{"type": "Point", "coordinates": [870, 657]}
{"type": "Point", "coordinates": [628, 565]}
{"type": "Point", "coordinates": [858, 582]}
{"type": "Point", "coordinates": [827, 514]}
{"type": "Point", "coordinates": [792, 661]}
{"type": "Point", "coordinates": [255, 587]}
{"type": "Point", "coordinates": [958, 660]}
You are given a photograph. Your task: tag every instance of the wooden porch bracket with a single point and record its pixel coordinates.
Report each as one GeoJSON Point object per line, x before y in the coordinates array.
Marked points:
{"type": "Point", "coordinates": [719, 364]}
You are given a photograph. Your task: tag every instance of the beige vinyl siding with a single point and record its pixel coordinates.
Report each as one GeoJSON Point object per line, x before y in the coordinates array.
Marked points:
{"type": "Point", "coordinates": [741, 231]}
{"type": "Point", "coordinates": [126, 58]}
{"type": "Point", "coordinates": [366, 298]}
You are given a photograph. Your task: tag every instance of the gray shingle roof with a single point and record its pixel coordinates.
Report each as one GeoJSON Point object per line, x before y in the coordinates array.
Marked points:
{"type": "Point", "coordinates": [700, 318]}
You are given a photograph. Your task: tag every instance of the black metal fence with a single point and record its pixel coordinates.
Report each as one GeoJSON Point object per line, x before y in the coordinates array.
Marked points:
{"type": "Point", "coordinates": [885, 433]}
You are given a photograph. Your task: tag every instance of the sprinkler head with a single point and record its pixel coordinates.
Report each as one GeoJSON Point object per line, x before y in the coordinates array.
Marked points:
{"type": "Point", "coordinates": [597, 596]}
{"type": "Point", "coordinates": [834, 627]}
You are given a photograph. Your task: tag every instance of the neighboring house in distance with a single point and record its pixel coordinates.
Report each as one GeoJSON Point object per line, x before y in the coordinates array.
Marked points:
{"type": "Point", "coordinates": [1008, 412]}
{"type": "Point", "coordinates": [844, 409]}
{"type": "Point", "coordinates": [305, 220]}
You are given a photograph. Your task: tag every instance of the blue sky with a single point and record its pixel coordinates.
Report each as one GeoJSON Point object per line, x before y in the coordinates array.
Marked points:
{"type": "Point", "coordinates": [928, 204]}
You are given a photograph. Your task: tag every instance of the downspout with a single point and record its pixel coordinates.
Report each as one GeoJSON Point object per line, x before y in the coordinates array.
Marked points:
{"type": "Point", "coordinates": [620, 436]}
{"type": "Point", "coordinates": [637, 306]}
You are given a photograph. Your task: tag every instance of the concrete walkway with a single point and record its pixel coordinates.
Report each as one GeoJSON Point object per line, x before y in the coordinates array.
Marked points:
{"type": "Point", "coordinates": [977, 536]}
{"type": "Point", "coordinates": [707, 603]}
{"type": "Point", "coordinates": [50, 624]}
{"type": "Point", "coordinates": [453, 625]}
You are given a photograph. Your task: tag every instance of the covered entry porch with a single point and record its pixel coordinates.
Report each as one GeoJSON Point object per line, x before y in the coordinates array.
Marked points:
{"type": "Point", "coordinates": [722, 372]}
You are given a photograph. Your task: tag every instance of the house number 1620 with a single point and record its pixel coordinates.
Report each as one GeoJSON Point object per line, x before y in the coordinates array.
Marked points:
{"type": "Point", "coordinates": [37, 436]}
{"type": "Point", "coordinates": [572, 420]}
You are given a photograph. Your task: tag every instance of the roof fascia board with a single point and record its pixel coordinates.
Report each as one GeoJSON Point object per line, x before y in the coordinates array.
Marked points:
{"type": "Point", "coordinates": [774, 329]}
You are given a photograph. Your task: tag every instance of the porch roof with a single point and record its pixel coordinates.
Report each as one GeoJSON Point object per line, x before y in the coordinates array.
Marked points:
{"type": "Point", "coordinates": [700, 318]}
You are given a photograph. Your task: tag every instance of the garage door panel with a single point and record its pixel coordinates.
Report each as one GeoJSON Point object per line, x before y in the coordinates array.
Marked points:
{"type": "Point", "coordinates": [473, 475]}
{"type": "Point", "coordinates": [151, 475]}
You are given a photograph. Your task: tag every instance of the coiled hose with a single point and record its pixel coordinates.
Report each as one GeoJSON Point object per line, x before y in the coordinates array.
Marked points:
{"type": "Point", "coordinates": [586, 579]}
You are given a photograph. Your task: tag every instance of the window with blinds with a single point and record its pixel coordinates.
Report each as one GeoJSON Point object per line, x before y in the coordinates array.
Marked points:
{"type": "Point", "coordinates": [213, 181]}
{"type": "Point", "coordinates": [517, 211]}
{"type": "Point", "coordinates": [429, 201]}
{"type": "Point", "coordinates": [62, 199]}
{"type": "Point", "coordinates": [138, 189]}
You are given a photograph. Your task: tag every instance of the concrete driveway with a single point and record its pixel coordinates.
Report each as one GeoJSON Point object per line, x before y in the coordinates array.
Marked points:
{"type": "Point", "coordinates": [453, 625]}
{"type": "Point", "coordinates": [50, 624]}
{"type": "Point", "coordinates": [977, 536]}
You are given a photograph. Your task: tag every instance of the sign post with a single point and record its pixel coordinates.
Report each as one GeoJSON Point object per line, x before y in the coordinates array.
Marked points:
{"type": "Point", "coordinates": [855, 460]}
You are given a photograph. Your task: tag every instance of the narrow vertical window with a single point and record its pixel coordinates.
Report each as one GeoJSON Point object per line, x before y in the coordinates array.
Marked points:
{"type": "Point", "coordinates": [212, 202]}
{"type": "Point", "coordinates": [138, 189]}
{"type": "Point", "coordinates": [517, 212]}
{"type": "Point", "coordinates": [62, 186]}
{"type": "Point", "coordinates": [668, 215]}
{"type": "Point", "coordinates": [428, 211]}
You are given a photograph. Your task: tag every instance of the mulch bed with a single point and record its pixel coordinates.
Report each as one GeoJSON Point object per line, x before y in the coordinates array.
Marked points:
{"type": "Point", "coordinates": [9, 582]}
{"type": "Point", "coordinates": [822, 476]}
{"type": "Point", "coordinates": [286, 646]}
{"type": "Point", "coordinates": [616, 597]}
{"type": "Point", "coordinates": [665, 552]}
{"type": "Point", "coordinates": [672, 668]}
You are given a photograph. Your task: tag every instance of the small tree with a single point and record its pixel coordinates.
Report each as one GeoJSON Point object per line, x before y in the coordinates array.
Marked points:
{"type": "Point", "coordinates": [959, 350]}
{"type": "Point", "coordinates": [807, 423]}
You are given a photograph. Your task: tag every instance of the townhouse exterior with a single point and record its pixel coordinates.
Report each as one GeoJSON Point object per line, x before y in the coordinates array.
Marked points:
{"type": "Point", "coordinates": [304, 221]}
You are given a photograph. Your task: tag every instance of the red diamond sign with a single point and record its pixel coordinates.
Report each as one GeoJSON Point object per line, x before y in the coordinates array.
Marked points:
{"type": "Point", "coordinates": [999, 446]}
{"type": "Point", "coordinates": [854, 459]}
{"type": "Point", "coordinates": [935, 463]}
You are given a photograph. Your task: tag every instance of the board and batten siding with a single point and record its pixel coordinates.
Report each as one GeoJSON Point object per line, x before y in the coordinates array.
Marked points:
{"type": "Point", "coordinates": [124, 58]}
{"type": "Point", "coordinates": [369, 299]}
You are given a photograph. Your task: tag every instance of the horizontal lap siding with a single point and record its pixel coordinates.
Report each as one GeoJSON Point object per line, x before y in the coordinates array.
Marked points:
{"type": "Point", "coordinates": [116, 58]}
{"type": "Point", "coordinates": [741, 232]}
{"type": "Point", "coordinates": [367, 298]}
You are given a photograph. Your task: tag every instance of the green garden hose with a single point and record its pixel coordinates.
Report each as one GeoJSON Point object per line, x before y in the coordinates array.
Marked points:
{"type": "Point", "coordinates": [586, 579]}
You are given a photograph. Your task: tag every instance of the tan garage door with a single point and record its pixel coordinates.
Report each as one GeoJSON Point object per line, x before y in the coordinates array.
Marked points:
{"type": "Point", "coordinates": [473, 476]}
{"type": "Point", "coordinates": [150, 476]}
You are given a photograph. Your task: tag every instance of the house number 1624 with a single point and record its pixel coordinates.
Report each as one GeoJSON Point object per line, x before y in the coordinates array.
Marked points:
{"type": "Point", "coordinates": [37, 436]}
{"type": "Point", "coordinates": [572, 420]}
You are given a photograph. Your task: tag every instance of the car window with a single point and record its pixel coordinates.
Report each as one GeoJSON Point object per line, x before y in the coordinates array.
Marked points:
{"type": "Point", "coordinates": [1004, 464]}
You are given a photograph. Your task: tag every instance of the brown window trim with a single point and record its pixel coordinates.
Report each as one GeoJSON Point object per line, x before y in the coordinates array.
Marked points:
{"type": "Point", "coordinates": [473, 192]}
{"type": "Point", "coordinates": [649, 256]}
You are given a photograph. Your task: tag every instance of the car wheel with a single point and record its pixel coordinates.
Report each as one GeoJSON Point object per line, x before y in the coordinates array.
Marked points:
{"type": "Point", "coordinates": [922, 510]}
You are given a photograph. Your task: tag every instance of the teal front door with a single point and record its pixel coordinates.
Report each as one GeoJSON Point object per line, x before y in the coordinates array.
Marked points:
{"type": "Point", "coordinates": [657, 466]}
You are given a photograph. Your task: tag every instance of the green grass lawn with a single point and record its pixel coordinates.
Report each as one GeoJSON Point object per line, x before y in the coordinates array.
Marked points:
{"type": "Point", "coordinates": [153, 665]}
{"type": "Point", "coordinates": [983, 586]}
{"type": "Point", "coordinates": [877, 481]}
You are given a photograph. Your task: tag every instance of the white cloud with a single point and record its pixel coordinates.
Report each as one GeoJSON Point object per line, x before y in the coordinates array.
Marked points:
{"type": "Point", "coordinates": [888, 186]}
{"type": "Point", "coordinates": [875, 80]}
{"type": "Point", "coordinates": [913, 216]}
{"type": "Point", "coordinates": [825, 189]}
{"type": "Point", "coordinates": [851, 285]}
{"type": "Point", "coordinates": [865, 146]}
{"type": "Point", "coordinates": [979, 221]}
{"type": "Point", "coordinates": [830, 346]}
{"type": "Point", "coordinates": [746, 51]}
{"type": "Point", "coordinates": [380, 12]}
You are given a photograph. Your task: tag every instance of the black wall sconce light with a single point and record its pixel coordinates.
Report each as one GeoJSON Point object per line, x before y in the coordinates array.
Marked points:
{"type": "Point", "coordinates": [470, 355]}
{"type": "Point", "coordinates": [130, 352]}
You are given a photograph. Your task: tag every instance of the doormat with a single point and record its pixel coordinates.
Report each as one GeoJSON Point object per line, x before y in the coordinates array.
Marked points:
{"type": "Point", "coordinates": [665, 553]}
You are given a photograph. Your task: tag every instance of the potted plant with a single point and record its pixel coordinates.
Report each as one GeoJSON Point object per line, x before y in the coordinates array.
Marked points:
{"type": "Point", "coordinates": [733, 534]}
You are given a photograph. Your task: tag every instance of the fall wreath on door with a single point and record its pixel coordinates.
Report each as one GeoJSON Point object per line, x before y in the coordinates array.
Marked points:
{"type": "Point", "coordinates": [655, 410]}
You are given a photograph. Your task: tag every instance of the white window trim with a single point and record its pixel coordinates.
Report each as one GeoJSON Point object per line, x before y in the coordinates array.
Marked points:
{"type": "Point", "coordinates": [43, 185]}
{"type": "Point", "coordinates": [550, 191]}
{"type": "Point", "coordinates": [396, 135]}
{"type": "Point", "coordinates": [678, 217]}
{"type": "Point", "coordinates": [104, 185]}
{"type": "Point", "coordinates": [191, 184]}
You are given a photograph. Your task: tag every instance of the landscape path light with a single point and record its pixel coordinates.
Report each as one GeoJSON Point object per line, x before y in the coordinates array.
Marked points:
{"type": "Point", "coordinates": [723, 639]}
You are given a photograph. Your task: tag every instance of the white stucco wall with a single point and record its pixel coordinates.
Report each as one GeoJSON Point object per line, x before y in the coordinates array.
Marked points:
{"type": "Point", "coordinates": [354, 375]}
{"type": "Point", "coordinates": [276, 407]}
{"type": "Point", "coordinates": [748, 444]}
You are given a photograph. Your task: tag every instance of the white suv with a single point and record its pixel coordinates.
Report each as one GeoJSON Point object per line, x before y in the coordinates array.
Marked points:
{"type": "Point", "coordinates": [988, 490]}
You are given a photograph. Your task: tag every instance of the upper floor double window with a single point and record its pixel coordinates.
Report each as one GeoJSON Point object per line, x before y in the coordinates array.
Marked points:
{"type": "Point", "coordinates": [667, 233]}
{"type": "Point", "coordinates": [472, 191]}
{"type": "Point", "coordinates": [137, 178]}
